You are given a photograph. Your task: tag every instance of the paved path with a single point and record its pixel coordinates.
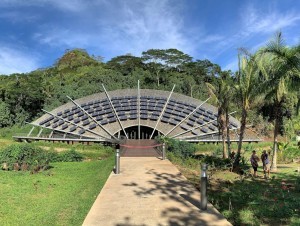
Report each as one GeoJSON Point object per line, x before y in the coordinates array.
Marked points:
{"type": "Point", "coordinates": [150, 192]}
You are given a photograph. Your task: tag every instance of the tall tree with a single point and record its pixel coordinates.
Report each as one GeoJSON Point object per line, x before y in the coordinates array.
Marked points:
{"type": "Point", "coordinates": [154, 58]}
{"type": "Point", "coordinates": [246, 90]}
{"type": "Point", "coordinates": [220, 94]}
{"type": "Point", "coordinates": [282, 71]}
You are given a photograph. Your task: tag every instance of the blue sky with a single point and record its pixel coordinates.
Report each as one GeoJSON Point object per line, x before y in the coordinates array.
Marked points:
{"type": "Point", "coordinates": [35, 33]}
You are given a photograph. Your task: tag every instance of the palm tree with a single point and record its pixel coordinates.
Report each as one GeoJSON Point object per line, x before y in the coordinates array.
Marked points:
{"type": "Point", "coordinates": [221, 96]}
{"type": "Point", "coordinates": [247, 90]}
{"type": "Point", "coordinates": [281, 69]}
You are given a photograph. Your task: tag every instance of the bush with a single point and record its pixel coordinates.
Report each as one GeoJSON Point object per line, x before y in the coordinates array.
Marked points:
{"type": "Point", "coordinates": [70, 156]}
{"type": "Point", "coordinates": [214, 161]}
{"type": "Point", "coordinates": [181, 149]}
{"type": "Point", "coordinates": [24, 157]}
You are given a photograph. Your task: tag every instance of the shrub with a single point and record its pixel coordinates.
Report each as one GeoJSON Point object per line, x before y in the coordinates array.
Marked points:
{"type": "Point", "coordinates": [181, 149]}
{"type": "Point", "coordinates": [25, 157]}
{"type": "Point", "coordinates": [70, 156]}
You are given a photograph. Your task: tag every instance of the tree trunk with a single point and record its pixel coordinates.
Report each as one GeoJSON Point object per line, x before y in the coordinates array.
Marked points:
{"type": "Point", "coordinates": [157, 77]}
{"type": "Point", "coordinates": [223, 132]}
{"type": "Point", "coordinates": [228, 132]}
{"type": "Point", "coordinates": [241, 137]}
{"type": "Point", "coordinates": [275, 143]}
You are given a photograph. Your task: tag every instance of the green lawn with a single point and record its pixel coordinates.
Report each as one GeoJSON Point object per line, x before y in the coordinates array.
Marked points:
{"type": "Point", "coordinates": [247, 200]}
{"type": "Point", "coordinates": [62, 195]}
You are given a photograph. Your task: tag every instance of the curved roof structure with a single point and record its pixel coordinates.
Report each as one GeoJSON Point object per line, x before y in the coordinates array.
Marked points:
{"type": "Point", "coordinates": [134, 114]}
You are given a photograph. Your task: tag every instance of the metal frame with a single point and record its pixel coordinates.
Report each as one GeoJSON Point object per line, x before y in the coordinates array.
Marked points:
{"type": "Point", "coordinates": [109, 133]}
{"type": "Point", "coordinates": [186, 117]}
{"type": "Point", "coordinates": [72, 123]}
{"type": "Point", "coordinates": [116, 114]}
{"type": "Point", "coordinates": [162, 112]}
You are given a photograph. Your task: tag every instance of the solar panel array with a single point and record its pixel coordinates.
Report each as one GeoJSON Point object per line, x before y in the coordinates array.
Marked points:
{"type": "Point", "coordinates": [77, 121]}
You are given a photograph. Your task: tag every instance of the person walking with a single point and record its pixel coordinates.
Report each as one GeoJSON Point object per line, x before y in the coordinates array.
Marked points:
{"type": "Point", "coordinates": [266, 164]}
{"type": "Point", "coordinates": [254, 162]}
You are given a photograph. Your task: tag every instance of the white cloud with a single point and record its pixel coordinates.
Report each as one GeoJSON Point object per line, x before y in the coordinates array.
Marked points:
{"type": "Point", "coordinates": [254, 25]}
{"type": "Point", "coordinates": [268, 22]}
{"type": "Point", "coordinates": [122, 27]}
{"type": "Point", "coordinates": [15, 61]}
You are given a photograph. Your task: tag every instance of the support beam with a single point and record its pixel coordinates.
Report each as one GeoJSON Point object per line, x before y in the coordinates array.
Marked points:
{"type": "Point", "coordinates": [30, 132]}
{"type": "Point", "coordinates": [139, 110]}
{"type": "Point", "coordinates": [186, 117]}
{"type": "Point", "coordinates": [114, 110]}
{"type": "Point", "coordinates": [201, 135]}
{"type": "Point", "coordinates": [72, 123]}
{"type": "Point", "coordinates": [40, 132]}
{"type": "Point", "coordinates": [162, 112]}
{"type": "Point", "coordinates": [91, 117]}
{"type": "Point", "coordinates": [51, 134]}
{"type": "Point", "coordinates": [197, 127]}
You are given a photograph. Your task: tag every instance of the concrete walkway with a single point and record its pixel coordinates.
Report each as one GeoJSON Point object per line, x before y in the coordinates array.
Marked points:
{"type": "Point", "coordinates": [149, 192]}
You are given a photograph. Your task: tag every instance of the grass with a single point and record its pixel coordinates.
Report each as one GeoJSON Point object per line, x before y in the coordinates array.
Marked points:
{"type": "Point", "coordinates": [62, 195]}
{"type": "Point", "coordinates": [250, 201]}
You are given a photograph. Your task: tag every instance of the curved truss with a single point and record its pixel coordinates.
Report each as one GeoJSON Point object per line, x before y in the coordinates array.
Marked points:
{"type": "Point", "coordinates": [102, 116]}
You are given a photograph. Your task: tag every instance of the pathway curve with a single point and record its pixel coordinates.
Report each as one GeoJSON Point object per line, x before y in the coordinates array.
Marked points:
{"type": "Point", "coordinates": [150, 192]}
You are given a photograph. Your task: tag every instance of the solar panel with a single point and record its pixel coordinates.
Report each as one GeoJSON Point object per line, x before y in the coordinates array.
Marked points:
{"type": "Point", "coordinates": [90, 111]}
{"type": "Point", "coordinates": [98, 118]}
{"type": "Point", "coordinates": [192, 118]}
{"type": "Point", "coordinates": [84, 117]}
{"type": "Point", "coordinates": [82, 131]}
{"type": "Point", "coordinates": [66, 111]}
{"type": "Point", "coordinates": [123, 117]}
{"type": "Point", "coordinates": [54, 126]}
{"type": "Point", "coordinates": [112, 120]}
{"type": "Point", "coordinates": [166, 115]}
{"type": "Point", "coordinates": [173, 122]}
{"type": "Point", "coordinates": [76, 120]}
{"type": "Point", "coordinates": [64, 126]}
{"type": "Point", "coordinates": [204, 130]}
{"type": "Point", "coordinates": [71, 113]}
{"type": "Point", "coordinates": [195, 133]}
{"type": "Point", "coordinates": [74, 108]}
{"type": "Point", "coordinates": [80, 114]}
{"type": "Point", "coordinates": [184, 127]}
{"type": "Point", "coordinates": [110, 115]}
{"type": "Point", "coordinates": [55, 120]}
{"type": "Point", "coordinates": [200, 121]}
{"type": "Point", "coordinates": [70, 118]}
{"type": "Point", "coordinates": [98, 109]}
{"type": "Point", "coordinates": [206, 119]}
{"type": "Point", "coordinates": [153, 117]}
{"type": "Point", "coordinates": [104, 122]}
{"type": "Point", "coordinates": [72, 128]}
{"type": "Point", "coordinates": [86, 107]}
{"type": "Point", "coordinates": [211, 127]}
{"type": "Point", "coordinates": [190, 123]}
{"type": "Point", "coordinates": [166, 120]}
{"type": "Point", "coordinates": [176, 118]}
{"type": "Point", "coordinates": [86, 122]}
{"type": "Point", "coordinates": [94, 114]}
{"type": "Point", "coordinates": [156, 113]}
{"type": "Point", "coordinates": [144, 116]}
{"type": "Point", "coordinates": [132, 116]}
